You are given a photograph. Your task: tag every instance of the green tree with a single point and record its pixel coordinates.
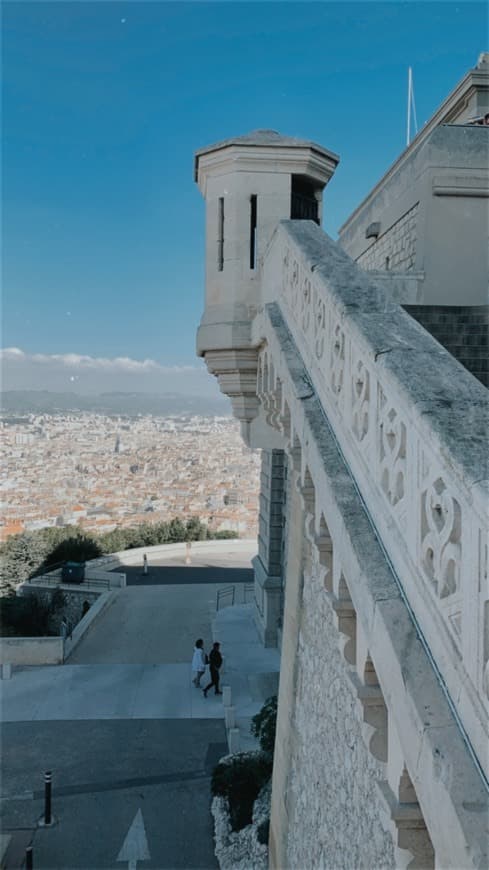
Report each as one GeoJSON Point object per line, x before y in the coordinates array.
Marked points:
{"type": "Point", "coordinates": [195, 530]}
{"type": "Point", "coordinates": [20, 556]}
{"type": "Point", "coordinates": [76, 548]}
{"type": "Point", "coordinates": [176, 531]}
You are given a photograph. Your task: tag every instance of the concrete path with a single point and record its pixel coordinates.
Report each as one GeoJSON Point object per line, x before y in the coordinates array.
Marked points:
{"type": "Point", "coordinates": [126, 734]}
{"type": "Point", "coordinates": [140, 690]}
{"type": "Point", "coordinates": [150, 625]}
{"type": "Point", "coordinates": [251, 670]}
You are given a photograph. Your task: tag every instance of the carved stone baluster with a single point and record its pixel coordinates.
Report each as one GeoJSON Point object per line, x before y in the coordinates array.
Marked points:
{"type": "Point", "coordinates": [346, 620]}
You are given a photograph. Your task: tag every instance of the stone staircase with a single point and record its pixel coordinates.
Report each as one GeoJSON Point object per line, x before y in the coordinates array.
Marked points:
{"type": "Point", "coordinates": [462, 330]}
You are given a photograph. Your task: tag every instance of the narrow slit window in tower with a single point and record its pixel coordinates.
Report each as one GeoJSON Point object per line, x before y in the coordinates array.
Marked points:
{"type": "Point", "coordinates": [220, 234]}
{"type": "Point", "coordinates": [253, 199]}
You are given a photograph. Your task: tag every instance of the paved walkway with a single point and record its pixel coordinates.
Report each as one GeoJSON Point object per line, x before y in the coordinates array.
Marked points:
{"type": "Point", "coordinates": [132, 690]}
{"type": "Point", "coordinates": [124, 730]}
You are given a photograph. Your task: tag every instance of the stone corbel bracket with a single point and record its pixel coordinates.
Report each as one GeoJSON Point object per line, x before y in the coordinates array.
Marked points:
{"type": "Point", "coordinates": [236, 372]}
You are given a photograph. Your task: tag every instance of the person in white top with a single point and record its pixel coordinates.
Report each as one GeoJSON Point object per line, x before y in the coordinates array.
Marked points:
{"type": "Point", "coordinates": [198, 662]}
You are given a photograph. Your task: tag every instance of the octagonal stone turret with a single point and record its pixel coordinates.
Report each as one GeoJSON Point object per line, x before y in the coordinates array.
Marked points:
{"type": "Point", "coordinates": [250, 183]}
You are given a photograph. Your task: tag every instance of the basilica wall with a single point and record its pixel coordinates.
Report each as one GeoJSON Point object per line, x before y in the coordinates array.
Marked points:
{"type": "Point", "coordinates": [396, 248]}
{"type": "Point", "coordinates": [337, 818]}
{"type": "Point", "coordinates": [365, 740]}
{"type": "Point", "coordinates": [428, 215]}
{"type": "Point", "coordinates": [375, 442]}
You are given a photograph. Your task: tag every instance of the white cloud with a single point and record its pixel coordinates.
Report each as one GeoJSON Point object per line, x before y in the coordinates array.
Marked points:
{"type": "Point", "coordinates": [60, 371]}
{"type": "Point", "coordinates": [76, 360]}
{"type": "Point", "coordinates": [14, 352]}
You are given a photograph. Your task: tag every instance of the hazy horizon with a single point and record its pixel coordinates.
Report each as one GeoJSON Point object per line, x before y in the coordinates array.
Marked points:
{"type": "Point", "coordinates": [87, 375]}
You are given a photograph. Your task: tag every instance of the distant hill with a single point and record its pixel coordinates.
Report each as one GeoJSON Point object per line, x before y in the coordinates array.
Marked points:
{"type": "Point", "coordinates": [46, 402]}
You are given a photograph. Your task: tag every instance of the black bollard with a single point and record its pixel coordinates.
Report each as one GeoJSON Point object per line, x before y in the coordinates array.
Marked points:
{"type": "Point", "coordinates": [47, 797]}
{"type": "Point", "coordinates": [28, 858]}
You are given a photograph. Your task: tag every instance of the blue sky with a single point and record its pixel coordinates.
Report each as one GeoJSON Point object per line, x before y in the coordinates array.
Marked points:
{"type": "Point", "coordinates": [104, 104]}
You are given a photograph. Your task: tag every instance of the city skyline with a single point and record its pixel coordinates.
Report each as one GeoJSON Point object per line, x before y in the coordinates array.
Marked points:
{"type": "Point", "coordinates": [100, 472]}
{"type": "Point", "coordinates": [104, 105]}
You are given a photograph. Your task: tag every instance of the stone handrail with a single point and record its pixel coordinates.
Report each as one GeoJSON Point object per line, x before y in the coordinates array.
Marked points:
{"type": "Point", "coordinates": [411, 423]}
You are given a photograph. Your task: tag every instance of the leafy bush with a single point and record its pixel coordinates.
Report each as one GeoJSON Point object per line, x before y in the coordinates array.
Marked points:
{"type": "Point", "coordinates": [222, 535]}
{"type": "Point", "coordinates": [240, 780]}
{"type": "Point", "coordinates": [264, 725]}
{"type": "Point", "coordinates": [76, 548]}
{"type": "Point", "coordinates": [263, 832]}
{"type": "Point", "coordinates": [30, 553]}
{"type": "Point", "coordinates": [29, 615]}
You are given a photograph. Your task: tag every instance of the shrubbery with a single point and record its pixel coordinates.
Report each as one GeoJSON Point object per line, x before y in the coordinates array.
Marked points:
{"type": "Point", "coordinates": [31, 553]}
{"type": "Point", "coordinates": [240, 780]}
{"type": "Point", "coordinates": [29, 615]}
{"type": "Point", "coordinates": [263, 832]}
{"type": "Point", "coordinates": [264, 725]}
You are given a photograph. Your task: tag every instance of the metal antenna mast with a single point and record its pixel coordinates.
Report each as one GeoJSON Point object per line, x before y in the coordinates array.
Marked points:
{"type": "Point", "coordinates": [411, 105]}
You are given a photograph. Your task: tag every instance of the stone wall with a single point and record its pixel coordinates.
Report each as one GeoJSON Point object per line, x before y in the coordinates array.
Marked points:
{"type": "Point", "coordinates": [270, 535]}
{"type": "Point", "coordinates": [269, 562]}
{"type": "Point", "coordinates": [377, 373]}
{"type": "Point", "coordinates": [388, 692]}
{"type": "Point", "coordinates": [396, 248]}
{"type": "Point", "coordinates": [335, 811]}
{"type": "Point", "coordinates": [72, 608]}
{"type": "Point", "coordinates": [280, 812]}
{"type": "Point", "coordinates": [24, 651]}
{"type": "Point", "coordinates": [443, 181]}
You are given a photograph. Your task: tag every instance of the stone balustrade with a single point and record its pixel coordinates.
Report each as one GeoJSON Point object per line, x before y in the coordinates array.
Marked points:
{"type": "Point", "coordinates": [411, 424]}
{"type": "Point", "coordinates": [346, 618]}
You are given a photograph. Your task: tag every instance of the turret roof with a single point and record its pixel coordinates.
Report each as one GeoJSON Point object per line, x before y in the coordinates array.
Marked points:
{"type": "Point", "coordinates": [261, 138]}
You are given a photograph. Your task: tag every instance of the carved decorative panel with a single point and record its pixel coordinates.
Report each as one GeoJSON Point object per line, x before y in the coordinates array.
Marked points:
{"type": "Point", "coordinates": [360, 400]}
{"type": "Point", "coordinates": [294, 286]}
{"type": "Point", "coordinates": [337, 359]}
{"type": "Point", "coordinates": [306, 304]}
{"type": "Point", "coordinates": [441, 537]}
{"type": "Point", "coordinates": [392, 451]}
{"type": "Point", "coordinates": [319, 325]}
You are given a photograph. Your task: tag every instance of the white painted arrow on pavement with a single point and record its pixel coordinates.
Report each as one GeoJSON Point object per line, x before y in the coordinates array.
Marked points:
{"type": "Point", "coordinates": [135, 845]}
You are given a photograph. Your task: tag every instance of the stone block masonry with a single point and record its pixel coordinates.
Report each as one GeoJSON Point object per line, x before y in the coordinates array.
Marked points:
{"type": "Point", "coordinates": [71, 611]}
{"type": "Point", "coordinates": [336, 818]}
{"type": "Point", "coordinates": [395, 249]}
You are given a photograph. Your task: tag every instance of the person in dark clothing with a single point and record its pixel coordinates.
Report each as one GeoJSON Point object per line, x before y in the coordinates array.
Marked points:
{"type": "Point", "coordinates": [215, 662]}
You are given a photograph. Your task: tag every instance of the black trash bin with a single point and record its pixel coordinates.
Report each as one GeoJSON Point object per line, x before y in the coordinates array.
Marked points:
{"type": "Point", "coordinates": [73, 572]}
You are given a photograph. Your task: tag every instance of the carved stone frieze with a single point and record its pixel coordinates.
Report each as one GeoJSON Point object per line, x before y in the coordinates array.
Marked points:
{"type": "Point", "coordinates": [337, 362]}
{"type": "Point", "coordinates": [392, 447]}
{"type": "Point", "coordinates": [440, 530]}
{"type": "Point", "coordinates": [319, 325]}
{"type": "Point", "coordinates": [306, 303]}
{"type": "Point", "coordinates": [360, 399]}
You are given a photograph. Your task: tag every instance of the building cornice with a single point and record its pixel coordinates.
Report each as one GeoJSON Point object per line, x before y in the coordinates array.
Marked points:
{"type": "Point", "coordinates": [262, 158]}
